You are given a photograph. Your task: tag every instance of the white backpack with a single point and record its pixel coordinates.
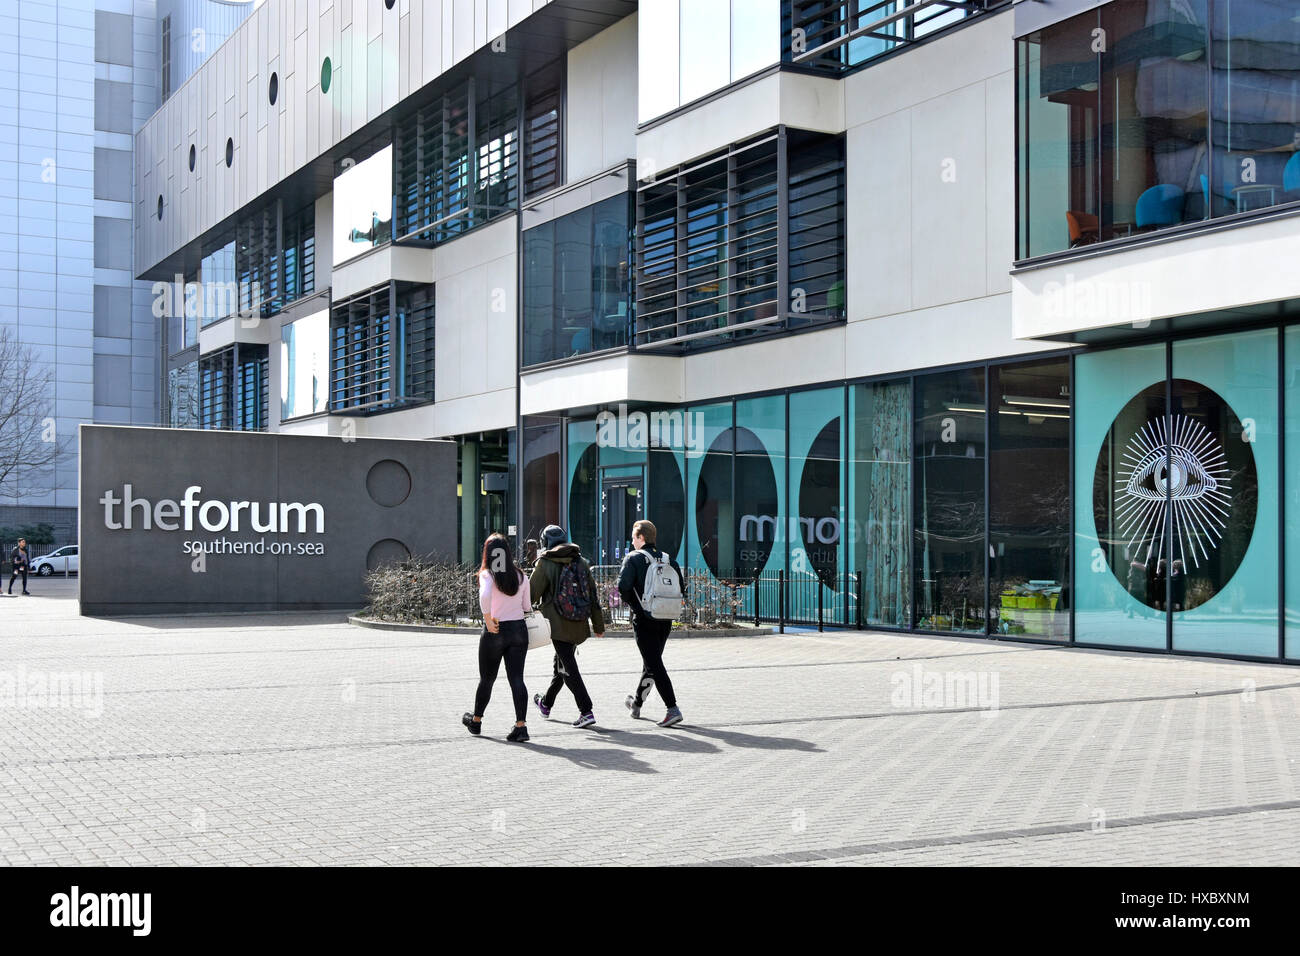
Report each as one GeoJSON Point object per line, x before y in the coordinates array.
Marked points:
{"type": "Point", "coordinates": [662, 597]}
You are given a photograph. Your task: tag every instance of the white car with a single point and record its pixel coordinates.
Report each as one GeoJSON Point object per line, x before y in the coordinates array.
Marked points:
{"type": "Point", "coordinates": [62, 561]}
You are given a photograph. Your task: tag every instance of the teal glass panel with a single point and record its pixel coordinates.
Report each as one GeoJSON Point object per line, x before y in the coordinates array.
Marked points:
{"type": "Point", "coordinates": [709, 503]}
{"type": "Point", "coordinates": [1291, 379]}
{"type": "Point", "coordinates": [817, 495]}
{"type": "Point", "coordinates": [1223, 581]}
{"type": "Point", "coordinates": [1120, 397]}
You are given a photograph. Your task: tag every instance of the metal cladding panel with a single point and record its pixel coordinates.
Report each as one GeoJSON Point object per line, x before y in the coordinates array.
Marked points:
{"type": "Point", "coordinates": [377, 499]}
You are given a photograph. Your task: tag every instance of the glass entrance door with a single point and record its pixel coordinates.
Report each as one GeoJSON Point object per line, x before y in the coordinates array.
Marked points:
{"type": "Point", "coordinates": [622, 501]}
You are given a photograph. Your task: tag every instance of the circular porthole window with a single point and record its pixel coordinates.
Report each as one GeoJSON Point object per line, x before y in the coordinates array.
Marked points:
{"type": "Point", "coordinates": [273, 88]}
{"type": "Point", "coordinates": [193, 157]}
{"type": "Point", "coordinates": [160, 208]}
{"type": "Point", "coordinates": [230, 153]}
{"type": "Point", "coordinates": [326, 74]}
{"type": "Point", "coordinates": [389, 3]}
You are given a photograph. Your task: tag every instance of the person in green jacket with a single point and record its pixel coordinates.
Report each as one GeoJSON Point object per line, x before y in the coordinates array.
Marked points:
{"type": "Point", "coordinates": [559, 563]}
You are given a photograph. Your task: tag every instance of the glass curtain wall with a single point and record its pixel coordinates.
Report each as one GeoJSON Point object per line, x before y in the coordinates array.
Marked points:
{"type": "Point", "coordinates": [1029, 499]}
{"type": "Point", "coordinates": [880, 500]}
{"type": "Point", "coordinates": [1145, 114]}
{"type": "Point", "coordinates": [818, 578]}
{"type": "Point", "coordinates": [1291, 384]}
{"type": "Point", "coordinates": [1119, 412]}
{"type": "Point", "coordinates": [1224, 496]}
{"type": "Point", "coordinates": [576, 282]}
{"type": "Point", "coordinates": [948, 541]}
{"type": "Point", "coordinates": [540, 461]}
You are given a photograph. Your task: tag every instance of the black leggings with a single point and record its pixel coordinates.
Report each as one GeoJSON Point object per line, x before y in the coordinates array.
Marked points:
{"type": "Point", "coordinates": [565, 670]}
{"type": "Point", "coordinates": [651, 637]}
{"type": "Point", "coordinates": [512, 644]}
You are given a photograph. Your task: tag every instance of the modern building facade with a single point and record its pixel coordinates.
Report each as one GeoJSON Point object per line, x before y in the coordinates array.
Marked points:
{"type": "Point", "coordinates": [954, 317]}
{"type": "Point", "coordinates": [79, 78]}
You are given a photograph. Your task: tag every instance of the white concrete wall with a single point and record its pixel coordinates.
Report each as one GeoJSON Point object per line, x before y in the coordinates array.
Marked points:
{"type": "Point", "coordinates": [601, 100]}
{"type": "Point", "coordinates": [807, 102]}
{"type": "Point", "coordinates": [931, 203]}
{"type": "Point", "coordinates": [1232, 268]}
{"type": "Point", "coordinates": [474, 341]}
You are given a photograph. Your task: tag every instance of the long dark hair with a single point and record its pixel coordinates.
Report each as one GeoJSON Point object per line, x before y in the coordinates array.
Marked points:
{"type": "Point", "coordinates": [507, 579]}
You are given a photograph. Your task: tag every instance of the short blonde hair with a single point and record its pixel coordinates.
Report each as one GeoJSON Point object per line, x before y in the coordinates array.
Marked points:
{"type": "Point", "coordinates": [645, 529]}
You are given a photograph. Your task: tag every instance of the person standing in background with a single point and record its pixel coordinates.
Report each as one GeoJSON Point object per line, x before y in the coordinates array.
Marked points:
{"type": "Point", "coordinates": [19, 561]}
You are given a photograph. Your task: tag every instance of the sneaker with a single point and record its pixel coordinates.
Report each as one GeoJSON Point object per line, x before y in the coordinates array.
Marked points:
{"type": "Point", "coordinates": [674, 716]}
{"type": "Point", "coordinates": [518, 735]}
{"type": "Point", "coordinates": [475, 727]}
{"type": "Point", "coordinates": [586, 720]}
{"type": "Point", "coordinates": [546, 711]}
{"type": "Point", "coordinates": [632, 706]}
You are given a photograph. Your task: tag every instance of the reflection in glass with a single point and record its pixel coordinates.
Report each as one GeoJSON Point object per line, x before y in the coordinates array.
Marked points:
{"type": "Point", "coordinates": [658, 58]}
{"type": "Point", "coordinates": [755, 36]}
{"type": "Point", "coordinates": [948, 553]}
{"type": "Point", "coordinates": [1029, 499]}
{"type": "Point", "coordinates": [1256, 92]}
{"type": "Point", "coordinates": [304, 364]}
{"type": "Point", "coordinates": [708, 483]}
{"type": "Point", "coordinates": [183, 396]}
{"type": "Point", "coordinates": [584, 487]}
{"type": "Point", "coordinates": [705, 65]}
{"type": "Point", "coordinates": [880, 500]}
{"type": "Point", "coordinates": [363, 206]}
{"type": "Point", "coordinates": [1130, 121]}
{"type": "Point", "coordinates": [576, 282]}
{"type": "Point", "coordinates": [541, 476]}
{"type": "Point", "coordinates": [220, 288]}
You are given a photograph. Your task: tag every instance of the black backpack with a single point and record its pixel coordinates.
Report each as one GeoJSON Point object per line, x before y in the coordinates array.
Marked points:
{"type": "Point", "coordinates": [573, 590]}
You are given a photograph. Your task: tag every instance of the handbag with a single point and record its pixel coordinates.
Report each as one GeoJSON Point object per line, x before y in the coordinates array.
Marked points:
{"type": "Point", "coordinates": [539, 629]}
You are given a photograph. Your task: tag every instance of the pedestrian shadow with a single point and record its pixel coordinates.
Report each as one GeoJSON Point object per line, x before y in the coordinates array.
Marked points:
{"type": "Point", "coordinates": [604, 759]}
{"type": "Point", "coordinates": [671, 743]}
{"type": "Point", "coordinates": [751, 741]}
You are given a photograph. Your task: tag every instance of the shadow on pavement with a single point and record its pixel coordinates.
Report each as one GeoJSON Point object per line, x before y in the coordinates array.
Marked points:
{"type": "Point", "coordinates": [588, 759]}
{"type": "Point", "coordinates": [752, 741]}
{"type": "Point", "coordinates": [650, 741]}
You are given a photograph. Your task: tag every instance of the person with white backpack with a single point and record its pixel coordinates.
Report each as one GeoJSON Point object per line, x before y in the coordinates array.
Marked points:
{"type": "Point", "coordinates": [650, 583]}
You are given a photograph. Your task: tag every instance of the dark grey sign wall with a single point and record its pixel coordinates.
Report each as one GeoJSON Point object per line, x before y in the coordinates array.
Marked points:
{"type": "Point", "coordinates": [275, 522]}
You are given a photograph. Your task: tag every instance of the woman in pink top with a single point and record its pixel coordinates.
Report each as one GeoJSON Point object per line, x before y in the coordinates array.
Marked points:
{"type": "Point", "coordinates": [504, 599]}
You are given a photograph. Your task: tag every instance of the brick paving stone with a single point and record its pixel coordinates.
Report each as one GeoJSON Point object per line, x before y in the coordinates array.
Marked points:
{"type": "Point", "coordinates": [279, 739]}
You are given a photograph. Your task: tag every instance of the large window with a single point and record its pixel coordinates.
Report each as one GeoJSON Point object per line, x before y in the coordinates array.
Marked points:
{"type": "Point", "coordinates": [382, 348]}
{"type": "Point", "coordinates": [458, 157]}
{"type": "Point", "coordinates": [948, 494]}
{"type": "Point", "coordinates": [233, 388]}
{"type": "Point", "coordinates": [304, 366]}
{"type": "Point", "coordinates": [689, 48]}
{"type": "Point", "coordinates": [880, 500]}
{"type": "Point", "coordinates": [1178, 503]}
{"type": "Point", "coordinates": [712, 267]}
{"type": "Point", "coordinates": [221, 290]}
{"type": "Point", "coordinates": [576, 282]}
{"type": "Point", "coordinates": [1029, 499]}
{"type": "Point", "coordinates": [217, 389]}
{"type": "Point", "coordinates": [1145, 114]}
{"type": "Point", "coordinates": [183, 396]}
{"type": "Point", "coordinates": [300, 253]}
{"type": "Point", "coordinates": [817, 32]}
{"type": "Point", "coordinates": [363, 206]}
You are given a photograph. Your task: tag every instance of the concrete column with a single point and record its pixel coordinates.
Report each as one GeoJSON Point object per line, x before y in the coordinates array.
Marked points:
{"type": "Point", "coordinates": [469, 501]}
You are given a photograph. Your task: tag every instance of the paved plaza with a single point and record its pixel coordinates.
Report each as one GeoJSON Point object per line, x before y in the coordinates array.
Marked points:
{"type": "Point", "coordinates": [300, 739]}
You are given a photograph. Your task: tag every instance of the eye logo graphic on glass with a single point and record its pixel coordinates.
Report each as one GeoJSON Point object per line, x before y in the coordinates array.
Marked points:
{"type": "Point", "coordinates": [1178, 492]}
